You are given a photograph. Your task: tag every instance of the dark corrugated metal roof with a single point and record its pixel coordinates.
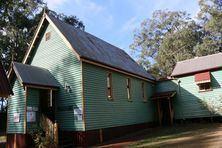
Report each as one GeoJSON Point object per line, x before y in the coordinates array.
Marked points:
{"type": "Point", "coordinates": [198, 64]}
{"type": "Point", "coordinates": [5, 89]}
{"type": "Point", "coordinates": [163, 94]}
{"type": "Point", "coordinates": [92, 48]}
{"type": "Point", "coordinates": [33, 75]}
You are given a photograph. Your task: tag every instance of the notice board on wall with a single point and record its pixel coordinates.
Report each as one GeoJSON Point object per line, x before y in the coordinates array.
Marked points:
{"type": "Point", "coordinates": [31, 116]}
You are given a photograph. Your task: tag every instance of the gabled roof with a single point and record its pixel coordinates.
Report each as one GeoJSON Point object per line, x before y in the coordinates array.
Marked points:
{"type": "Point", "coordinates": [36, 76]}
{"type": "Point", "coordinates": [91, 48]}
{"type": "Point", "coordinates": [198, 64]}
{"type": "Point", "coordinates": [5, 89]}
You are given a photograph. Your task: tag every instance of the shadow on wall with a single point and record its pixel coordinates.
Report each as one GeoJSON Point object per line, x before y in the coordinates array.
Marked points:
{"type": "Point", "coordinates": [189, 102]}
{"type": "Point", "coordinates": [68, 74]}
{"type": "Point", "coordinates": [213, 102]}
{"type": "Point", "coordinates": [3, 118]}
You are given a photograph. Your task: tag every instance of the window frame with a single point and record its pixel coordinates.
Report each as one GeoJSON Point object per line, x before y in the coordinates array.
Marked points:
{"type": "Point", "coordinates": [205, 89]}
{"type": "Point", "coordinates": [109, 86]}
{"type": "Point", "coordinates": [143, 91]}
{"type": "Point", "coordinates": [128, 88]}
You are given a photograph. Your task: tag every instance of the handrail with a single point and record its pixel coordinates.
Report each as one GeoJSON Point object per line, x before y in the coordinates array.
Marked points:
{"type": "Point", "coordinates": [50, 128]}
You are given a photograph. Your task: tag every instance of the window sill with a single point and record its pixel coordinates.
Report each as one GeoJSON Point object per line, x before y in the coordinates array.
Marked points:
{"type": "Point", "coordinates": [201, 91]}
{"type": "Point", "coordinates": [110, 99]}
{"type": "Point", "coordinates": [130, 100]}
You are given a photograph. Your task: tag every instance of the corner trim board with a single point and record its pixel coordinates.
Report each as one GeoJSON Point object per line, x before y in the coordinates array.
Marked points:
{"type": "Point", "coordinates": [83, 110]}
{"type": "Point", "coordinates": [25, 115]}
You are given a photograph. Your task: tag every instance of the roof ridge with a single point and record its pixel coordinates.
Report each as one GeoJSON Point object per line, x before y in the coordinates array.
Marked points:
{"type": "Point", "coordinates": [98, 50]}
{"type": "Point", "coordinates": [85, 32]}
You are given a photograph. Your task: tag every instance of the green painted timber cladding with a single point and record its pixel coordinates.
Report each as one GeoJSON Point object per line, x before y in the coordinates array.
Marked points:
{"type": "Point", "coordinates": [33, 100]}
{"type": "Point", "coordinates": [187, 102]}
{"type": "Point", "coordinates": [101, 113]}
{"type": "Point", "coordinates": [16, 104]}
{"type": "Point", "coordinates": [55, 56]}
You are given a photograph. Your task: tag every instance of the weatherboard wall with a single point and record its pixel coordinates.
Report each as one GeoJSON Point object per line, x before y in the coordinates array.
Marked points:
{"type": "Point", "coordinates": [102, 113]}
{"type": "Point", "coordinates": [55, 56]}
{"type": "Point", "coordinates": [188, 102]}
{"type": "Point", "coordinates": [16, 104]}
{"type": "Point", "coordinates": [33, 101]}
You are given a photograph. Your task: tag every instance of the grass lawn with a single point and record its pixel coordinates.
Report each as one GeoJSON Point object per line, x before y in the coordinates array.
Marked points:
{"type": "Point", "coordinates": [182, 136]}
{"type": "Point", "coordinates": [2, 139]}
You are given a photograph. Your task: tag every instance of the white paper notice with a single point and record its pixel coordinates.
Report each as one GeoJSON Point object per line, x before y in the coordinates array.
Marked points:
{"type": "Point", "coordinates": [16, 117]}
{"type": "Point", "coordinates": [77, 113]}
{"type": "Point", "coordinates": [31, 116]}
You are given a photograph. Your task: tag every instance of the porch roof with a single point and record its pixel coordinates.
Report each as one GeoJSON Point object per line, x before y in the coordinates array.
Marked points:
{"type": "Point", "coordinates": [166, 94]}
{"type": "Point", "coordinates": [36, 76]}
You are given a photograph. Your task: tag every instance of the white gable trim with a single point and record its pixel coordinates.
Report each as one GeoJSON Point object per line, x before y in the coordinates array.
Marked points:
{"type": "Point", "coordinates": [36, 35]}
{"type": "Point", "coordinates": [33, 40]}
{"type": "Point", "coordinates": [63, 37]}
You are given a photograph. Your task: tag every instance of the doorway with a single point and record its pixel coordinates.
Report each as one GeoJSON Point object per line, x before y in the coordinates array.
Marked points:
{"type": "Point", "coordinates": [165, 109]}
{"type": "Point", "coordinates": [47, 103]}
{"type": "Point", "coordinates": [163, 101]}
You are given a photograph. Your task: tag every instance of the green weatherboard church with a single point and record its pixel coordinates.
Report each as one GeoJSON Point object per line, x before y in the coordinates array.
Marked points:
{"type": "Point", "coordinates": [78, 87]}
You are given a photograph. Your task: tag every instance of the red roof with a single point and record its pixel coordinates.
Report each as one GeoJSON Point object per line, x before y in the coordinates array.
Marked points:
{"type": "Point", "coordinates": [5, 89]}
{"type": "Point", "coordinates": [202, 77]}
{"type": "Point", "coordinates": [198, 64]}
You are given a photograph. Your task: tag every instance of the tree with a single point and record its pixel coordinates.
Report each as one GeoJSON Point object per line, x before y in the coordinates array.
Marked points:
{"type": "Point", "coordinates": [72, 20]}
{"type": "Point", "coordinates": [168, 37]}
{"type": "Point", "coordinates": [172, 36]}
{"type": "Point", "coordinates": [18, 22]}
{"type": "Point", "coordinates": [210, 18]}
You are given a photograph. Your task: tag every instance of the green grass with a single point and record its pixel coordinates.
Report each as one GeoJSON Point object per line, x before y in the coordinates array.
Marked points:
{"type": "Point", "coordinates": [2, 139]}
{"type": "Point", "coordinates": [162, 136]}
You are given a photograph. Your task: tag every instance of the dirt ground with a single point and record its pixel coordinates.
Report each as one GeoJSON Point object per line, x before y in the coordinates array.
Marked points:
{"type": "Point", "coordinates": [208, 135]}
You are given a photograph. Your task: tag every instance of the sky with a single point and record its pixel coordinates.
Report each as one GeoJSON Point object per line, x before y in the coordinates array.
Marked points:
{"type": "Point", "coordinates": [115, 20]}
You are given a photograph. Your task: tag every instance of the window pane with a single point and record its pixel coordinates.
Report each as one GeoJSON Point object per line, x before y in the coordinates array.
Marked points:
{"type": "Point", "coordinates": [108, 82]}
{"type": "Point", "coordinates": [128, 88]}
{"type": "Point", "coordinates": [143, 92]}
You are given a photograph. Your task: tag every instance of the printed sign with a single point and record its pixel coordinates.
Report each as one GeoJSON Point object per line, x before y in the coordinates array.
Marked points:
{"type": "Point", "coordinates": [31, 116]}
{"type": "Point", "coordinates": [29, 108]}
{"type": "Point", "coordinates": [16, 117]}
{"type": "Point", "coordinates": [35, 109]}
{"type": "Point", "coordinates": [77, 113]}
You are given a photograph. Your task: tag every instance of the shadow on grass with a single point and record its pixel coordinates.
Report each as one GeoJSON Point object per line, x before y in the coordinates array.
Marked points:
{"type": "Point", "coordinates": [182, 135]}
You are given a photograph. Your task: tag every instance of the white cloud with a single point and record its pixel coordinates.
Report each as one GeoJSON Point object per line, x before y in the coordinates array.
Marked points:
{"type": "Point", "coordinates": [85, 7]}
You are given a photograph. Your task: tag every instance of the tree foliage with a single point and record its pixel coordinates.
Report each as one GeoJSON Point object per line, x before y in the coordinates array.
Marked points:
{"type": "Point", "coordinates": [171, 36]}
{"type": "Point", "coordinates": [18, 22]}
